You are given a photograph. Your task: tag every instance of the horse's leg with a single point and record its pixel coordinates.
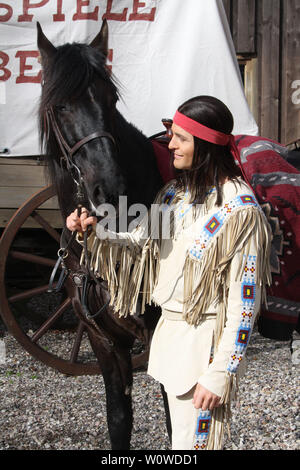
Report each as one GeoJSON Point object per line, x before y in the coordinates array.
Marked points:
{"type": "Point", "coordinates": [167, 412]}
{"type": "Point", "coordinates": [118, 387]}
{"type": "Point", "coordinates": [116, 367]}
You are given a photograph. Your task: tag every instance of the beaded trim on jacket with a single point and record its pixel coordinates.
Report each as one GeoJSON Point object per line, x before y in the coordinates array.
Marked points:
{"type": "Point", "coordinates": [132, 272]}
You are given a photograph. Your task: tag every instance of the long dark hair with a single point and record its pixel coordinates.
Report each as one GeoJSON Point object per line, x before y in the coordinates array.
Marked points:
{"type": "Point", "coordinates": [211, 163]}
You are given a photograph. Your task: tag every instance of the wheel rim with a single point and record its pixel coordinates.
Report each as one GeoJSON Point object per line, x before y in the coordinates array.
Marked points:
{"type": "Point", "coordinates": [69, 366]}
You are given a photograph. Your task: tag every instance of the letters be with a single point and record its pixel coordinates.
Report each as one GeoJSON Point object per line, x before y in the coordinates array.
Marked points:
{"type": "Point", "coordinates": [23, 56]}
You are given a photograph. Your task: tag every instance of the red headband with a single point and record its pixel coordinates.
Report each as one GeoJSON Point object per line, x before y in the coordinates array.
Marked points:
{"type": "Point", "coordinates": [201, 131]}
{"type": "Point", "coordinates": [209, 135]}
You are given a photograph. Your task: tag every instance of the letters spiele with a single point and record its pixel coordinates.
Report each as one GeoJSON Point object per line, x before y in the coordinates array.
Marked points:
{"type": "Point", "coordinates": [87, 10]}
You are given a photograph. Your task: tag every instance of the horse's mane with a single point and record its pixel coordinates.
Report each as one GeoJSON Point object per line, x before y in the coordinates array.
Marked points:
{"type": "Point", "coordinates": [66, 78]}
{"type": "Point", "coordinates": [73, 69]}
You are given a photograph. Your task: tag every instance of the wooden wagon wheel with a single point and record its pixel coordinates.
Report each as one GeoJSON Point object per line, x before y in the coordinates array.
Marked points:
{"type": "Point", "coordinates": [29, 340]}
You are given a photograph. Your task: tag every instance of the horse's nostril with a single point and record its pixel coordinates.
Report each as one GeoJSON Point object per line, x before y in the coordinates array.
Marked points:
{"type": "Point", "coordinates": [98, 195]}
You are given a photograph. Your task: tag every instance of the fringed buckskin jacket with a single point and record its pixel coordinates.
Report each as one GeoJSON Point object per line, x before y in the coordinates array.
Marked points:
{"type": "Point", "coordinates": [198, 263]}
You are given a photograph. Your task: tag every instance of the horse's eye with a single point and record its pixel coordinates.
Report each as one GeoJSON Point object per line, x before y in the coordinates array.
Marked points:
{"type": "Point", "coordinates": [60, 107]}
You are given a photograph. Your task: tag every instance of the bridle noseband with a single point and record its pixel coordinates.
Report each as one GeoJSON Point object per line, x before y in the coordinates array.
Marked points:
{"type": "Point", "coordinates": [69, 152]}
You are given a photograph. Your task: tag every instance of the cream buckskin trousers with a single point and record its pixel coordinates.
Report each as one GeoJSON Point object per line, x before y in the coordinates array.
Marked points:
{"type": "Point", "coordinates": [179, 354]}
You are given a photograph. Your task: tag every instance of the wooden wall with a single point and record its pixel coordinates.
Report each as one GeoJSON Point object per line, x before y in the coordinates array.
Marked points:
{"type": "Point", "coordinates": [266, 35]}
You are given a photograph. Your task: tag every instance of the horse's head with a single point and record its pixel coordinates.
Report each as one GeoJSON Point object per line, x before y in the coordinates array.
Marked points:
{"type": "Point", "coordinates": [77, 116]}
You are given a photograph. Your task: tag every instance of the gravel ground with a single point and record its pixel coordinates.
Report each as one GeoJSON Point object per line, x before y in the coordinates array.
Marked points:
{"type": "Point", "coordinates": [44, 409]}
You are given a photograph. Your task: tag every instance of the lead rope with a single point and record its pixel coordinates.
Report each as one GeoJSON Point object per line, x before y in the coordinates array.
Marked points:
{"type": "Point", "coordinates": [62, 254]}
{"type": "Point", "coordinates": [67, 154]}
{"type": "Point", "coordinates": [86, 277]}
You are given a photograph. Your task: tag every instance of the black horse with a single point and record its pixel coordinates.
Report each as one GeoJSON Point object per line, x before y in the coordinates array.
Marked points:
{"type": "Point", "coordinates": [112, 158]}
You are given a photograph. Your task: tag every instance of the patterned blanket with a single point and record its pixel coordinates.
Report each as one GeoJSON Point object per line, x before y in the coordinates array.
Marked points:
{"type": "Point", "coordinates": [276, 184]}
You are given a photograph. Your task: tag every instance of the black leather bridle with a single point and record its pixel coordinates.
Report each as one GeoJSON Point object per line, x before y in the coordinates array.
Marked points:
{"type": "Point", "coordinates": [69, 152]}
{"type": "Point", "coordinates": [67, 156]}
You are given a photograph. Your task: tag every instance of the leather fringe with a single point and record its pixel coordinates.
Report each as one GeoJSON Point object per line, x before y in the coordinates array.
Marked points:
{"type": "Point", "coordinates": [129, 273]}
{"type": "Point", "coordinates": [206, 280]}
{"type": "Point", "coordinates": [221, 416]}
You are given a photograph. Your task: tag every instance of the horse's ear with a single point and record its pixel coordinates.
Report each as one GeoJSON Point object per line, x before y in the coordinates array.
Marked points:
{"type": "Point", "coordinates": [45, 47]}
{"type": "Point", "coordinates": [101, 40]}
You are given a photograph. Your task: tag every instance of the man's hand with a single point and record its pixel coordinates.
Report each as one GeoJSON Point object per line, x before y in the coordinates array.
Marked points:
{"type": "Point", "coordinates": [205, 399]}
{"type": "Point", "coordinates": [80, 224]}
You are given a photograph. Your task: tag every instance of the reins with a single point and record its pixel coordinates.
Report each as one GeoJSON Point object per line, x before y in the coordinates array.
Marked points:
{"type": "Point", "coordinates": [82, 280]}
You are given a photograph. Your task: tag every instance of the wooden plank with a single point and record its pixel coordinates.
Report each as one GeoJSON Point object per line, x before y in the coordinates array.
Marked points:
{"type": "Point", "coordinates": [290, 105]}
{"type": "Point", "coordinates": [250, 84]}
{"type": "Point", "coordinates": [268, 51]}
{"type": "Point", "coordinates": [14, 197]}
{"type": "Point", "coordinates": [227, 8]}
{"type": "Point", "coordinates": [53, 217]}
{"type": "Point", "coordinates": [22, 175]}
{"type": "Point", "coordinates": [21, 160]}
{"type": "Point", "coordinates": [243, 14]}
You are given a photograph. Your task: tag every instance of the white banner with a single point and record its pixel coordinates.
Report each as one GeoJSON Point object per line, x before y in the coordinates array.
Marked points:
{"type": "Point", "coordinates": [161, 51]}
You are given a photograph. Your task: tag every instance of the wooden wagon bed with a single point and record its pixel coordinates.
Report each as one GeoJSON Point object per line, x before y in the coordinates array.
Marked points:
{"type": "Point", "coordinates": [20, 178]}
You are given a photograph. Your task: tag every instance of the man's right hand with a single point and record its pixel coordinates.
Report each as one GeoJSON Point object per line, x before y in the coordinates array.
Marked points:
{"type": "Point", "coordinates": [80, 224]}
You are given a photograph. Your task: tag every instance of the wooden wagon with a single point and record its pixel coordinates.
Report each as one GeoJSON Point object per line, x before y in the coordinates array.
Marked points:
{"type": "Point", "coordinates": [28, 206]}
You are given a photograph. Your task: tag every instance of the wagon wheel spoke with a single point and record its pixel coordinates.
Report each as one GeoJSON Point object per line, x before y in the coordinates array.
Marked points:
{"type": "Point", "coordinates": [32, 258]}
{"type": "Point", "coordinates": [47, 324]}
{"type": "Point", "coordinates": [44, 224]}
{"type": "Point", "coordinates": [77, 342]}
{"type": "Point", "coordinates": [9, 253]}
{"type": "Point", "coordinates": [28, 293]}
